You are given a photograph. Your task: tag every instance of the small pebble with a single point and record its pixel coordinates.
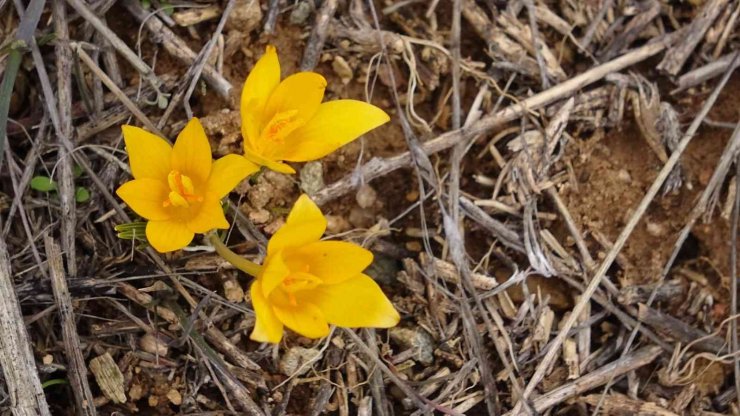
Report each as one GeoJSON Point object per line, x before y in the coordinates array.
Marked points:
{"type": "Point", "coordinates": [300, 13]}
{"type": "Point", "coordinates": [259, 216]}
{"type": "Point", "coordinates": [413, 246]}
{"type": "Point", "coordinates": [272, 227]}
{"type": "Point", "coordinates": [312, 177]}
{"type": "Point", "coordinates": [245, 16]}
{"type": "Point", "coordinates": [292, 362]}
{"type": "Point", "coordinates": [336, 224]}
{"type": "Point", "coordinates": [136, 392]}
{"type": "Point", "coordinates": [416, 338]}
{"type": "Point", "coordinates": [366, 196]}
{"type": "Point", "coordinates": [342, 68]}
{"type": "Point", "coordinates": [624, 176]}
{"type": "Point", "coordinates": [174, 397]}
{"type": "Point", "coordinates": [361, 218]}
{"type": "Point", "coordinates": [233, 291]}
{"type": "Point", "coordinates": [153, 345]}
{"type": "Point", "coordinates": [655, 229]}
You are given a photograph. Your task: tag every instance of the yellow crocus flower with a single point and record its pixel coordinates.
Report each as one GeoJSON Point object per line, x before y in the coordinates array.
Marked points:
{"type": "Point", "coordinates": [286, 120]}
{"type": "Point", "coordinates": [307, 284]}
{"type": "Point", "coordinates": [178, 188]}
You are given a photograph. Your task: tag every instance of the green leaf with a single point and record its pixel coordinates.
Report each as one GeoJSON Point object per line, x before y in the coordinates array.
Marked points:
{"type": "Point", "coordinates": [256, 175]}
{"type": "Point", "coordinates": [82, 194]}
{"type": "Point", "coordinates": [23, 38]}
{"type": "Point", "coordinates": [43, 184]}
{"type": "Point", "coordinates": [132, 231]}
{"type": "Point", "coordinates": [45, 39]}
{"type": "Point", "coordinates": [162, 101]}
{"type": "Point", "coordinates": [167, 8]}
{"type": "Point", "coordinates": [53, 382]}
{"type": "Point", "coordinates": [77, 171]}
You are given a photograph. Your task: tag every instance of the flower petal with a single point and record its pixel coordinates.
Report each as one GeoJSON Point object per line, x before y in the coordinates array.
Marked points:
{"type": "Point", "coordinates": [167, 236]}
{"type": "Point", "coordinates": [274, 271]}
{"type": "Point", "coordinates": [260, 83]}
{"type": "Point", "coordinates": [145, 197]}
{"type": "Point", "coordinates": [302, 91]}
{"type": "Point", "coordinates": [210, 216]}
{"type": "Point", "coordinates": [305, 224]}
{"type": "Point", "coordinates": [304, 319]}
{"type": "Point", "coordinates": [335, 124]}
{"type": "Point", "coordinates": [267, 327]}
{"type": "Point", "coordinates": [191, 154]}
{"type": "Point", "coordinates": [357, 302]}
{"type": "Point", "coordinates": [149, 155]}
{"type": "Point", "coordinates": [227, 172]}
{"type": "Point", "coordinates": [331, 261]}
{"type": "Point", "coordinates": [269, 164]}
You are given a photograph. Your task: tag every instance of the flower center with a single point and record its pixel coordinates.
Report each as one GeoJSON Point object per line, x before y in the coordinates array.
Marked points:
{"type": "Point", "coordinates": [298, 281]}
{"type": "Point", "coordinates": [281, 125]}
{"type": "Point", "coordinates": [182, 191]}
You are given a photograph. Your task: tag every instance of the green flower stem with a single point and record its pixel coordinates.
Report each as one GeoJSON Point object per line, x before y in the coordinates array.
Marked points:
{"type": "Point", "coordinates": [248, 267]}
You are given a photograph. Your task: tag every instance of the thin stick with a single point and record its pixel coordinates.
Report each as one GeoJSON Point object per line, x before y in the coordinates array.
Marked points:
{"type": "Point", "coordinates": [318, 35]}
{"type": "Point", "coordinates": [272, 14]}
{"type": "Point", "coordinates": [585, 41]}
{"type": "Point", "coordinates": [130, 105]}
{"type": "Point", "coordinates": [588, 260]}
{"type": "Point", "coordinates": [733, 277]}
{"type": "Point", "coordinates": [237, 389]}
{"type": "Point", "coordinates": [552, 352]}
{"type": "Point", "coordinates": [144, 69]}
{"type": "Point", "coordinates": [200, 63]}
{"type": "Point", "coordinates": [24, 37]}
{"type": "Point", "coordinates": [596, 378]}
{"type": "Point", "coordinates": [453, 233]}
{"type": "Point", "coordinates": [680, 331]}
{"type": "Point", "coordinates": [76, 369]}
{"type": "Point", "coordinates": [675, 58]}
{"type": "Point", "coordinates": [418, 400]}
{"type": "Point", "coordinates": [177, 47]}
{"type": "Point", "coordinates": [378, 167]}
{"type": "Point", "coordinates": [536, 43]}
{"type": "Point", "coordinates": [720, 172]}
{"type": "Point", "coordinates": [49, 98]}
{"type": "Point", "coordinates": [24, 216]}
{"type": "Point", "coordinates": [703, 73]}
{"type": "Point", "coordinates": [64, 133]}
{"type": "Point", "coordinates": [16, 357]}
{"type": "Point", "coordinates": [19, 189]}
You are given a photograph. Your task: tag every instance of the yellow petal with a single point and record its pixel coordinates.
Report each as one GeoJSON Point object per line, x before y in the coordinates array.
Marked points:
{"type": "Point", "coordinates": [167, 236]}
{"type": "Point", "coordinates": [357, 302]}
{"type": "Point", "coordinates": [268, 163]}
{"type": "Point", "coordinates": [145, 196]}
{"type": "Point", "coordinates": [260, 83]}
{"type": "Point", "coordinates": [148, 154]}
{"type": "Point", "coordinates": [334, 125]}
{"type": "Point", "coordinates": [191, 154]}
{"type": "Point", "coordinates": [267, 327]}
{"type": "Point", "coordinates": [227, 172]}
{"type": "Point", "coordinates": [209, 217]}
{"type": "Point", "coordinates": [304, 319]}
{"type": "Point", "coordinates": [274, 271]}
{"type": "Point", "coordinates": [302, 92]}
{"type": "Point", "coordinates": [331, 261]}
{"type": "Point", "coordinates": [305, 224]}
